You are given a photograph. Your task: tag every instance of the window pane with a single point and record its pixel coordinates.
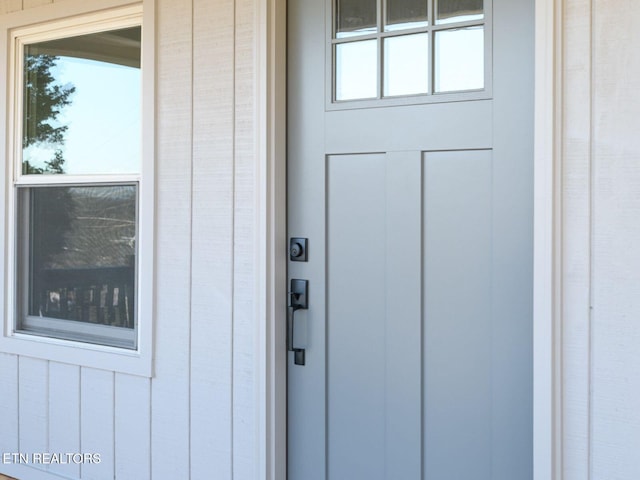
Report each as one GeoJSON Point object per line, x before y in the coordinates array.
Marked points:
{"type": "Point", "coordinates": [459, 59]}
{"type": "Point", "coordinates": [80, 265]}
{"type": "Point", "coordinates": [355, 17]}
{"type": "Point", "coordinates": [450, 11]}
{"type": "Point", "coordinates": [406, 65]}
{"type": "Point", "coordinates": [82, 112]}
{"type": "Point", "coordinates": [356, 70]}
{"type": "Point", "coordinates": [403, 14]}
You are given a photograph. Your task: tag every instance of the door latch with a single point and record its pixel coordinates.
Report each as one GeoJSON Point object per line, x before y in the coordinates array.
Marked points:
{"type": "Point", "coordinates": [298, 300]}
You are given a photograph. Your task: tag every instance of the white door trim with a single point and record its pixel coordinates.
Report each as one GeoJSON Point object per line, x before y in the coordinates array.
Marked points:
{"type": "Point", "coordinates": [271, 185]}
{"type": "Point", "coordinates": [547, 294]}
{"type": "Point", "coordinates": [271, 364]}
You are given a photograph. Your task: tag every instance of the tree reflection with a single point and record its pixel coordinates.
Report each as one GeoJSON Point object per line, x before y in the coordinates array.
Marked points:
{"type": "Point", "coordinates": [43, 101]}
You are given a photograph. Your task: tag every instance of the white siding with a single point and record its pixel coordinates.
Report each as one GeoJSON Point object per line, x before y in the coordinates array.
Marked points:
{"type": "Point", "coordinates": [245, 298]}
{"type": "Point", "coordinates": [33, 411]}
{"type": "Point", "coordinates": [96, 422]}
{"type": "Point", "coordinates": [616, 241]}
{"type": "Point", "coordinates": [577, 239]}
{"type": "Point", "coordinates": [199, 410]}
{"type": "Point", "coordinates": [132, 425]}
{"type": "Point", "coordinates": [64, 414]}
{"type": "Point", "coordinates": [9, 403]}
{"type": "Point", "coordinates": [170, 401]}
{"type": "Point", "coordinates": [212, 248]}
{"type": "Point", "coordinates": [197, 417]}
{"type": "Point", "coordinates": [601, 235]}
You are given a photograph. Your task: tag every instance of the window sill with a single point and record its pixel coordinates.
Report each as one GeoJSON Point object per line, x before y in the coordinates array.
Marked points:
{"type": "Point", "coordinates": [114, 359]}
{"type": "Point", "coordinates": [77, 331]}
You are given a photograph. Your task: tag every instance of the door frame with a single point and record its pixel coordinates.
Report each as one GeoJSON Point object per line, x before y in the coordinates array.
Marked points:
{"type": "Point", "coordinates": [271, 366]}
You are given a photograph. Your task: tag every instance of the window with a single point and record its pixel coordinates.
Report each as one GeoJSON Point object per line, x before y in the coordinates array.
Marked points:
{"type": "Point", "coordinates": [388, 49]}
{"type": "Point", "coordinates": [77, 182]}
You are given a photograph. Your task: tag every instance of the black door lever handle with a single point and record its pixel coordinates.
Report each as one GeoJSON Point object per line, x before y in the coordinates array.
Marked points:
{"type": "Point", "coordinates": [298, 300]}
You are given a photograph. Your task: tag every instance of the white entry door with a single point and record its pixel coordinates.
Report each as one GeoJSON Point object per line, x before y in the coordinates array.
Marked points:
{"type": "Point", "coordinates": [410, 161]}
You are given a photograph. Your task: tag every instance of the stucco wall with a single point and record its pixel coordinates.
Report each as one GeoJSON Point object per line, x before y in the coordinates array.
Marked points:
{"type": "Point", "coordinates": [601, 239]}
{"type": "Point", "coordinates": [198, 416]}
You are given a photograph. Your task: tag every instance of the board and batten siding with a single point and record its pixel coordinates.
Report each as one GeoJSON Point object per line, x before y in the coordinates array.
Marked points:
{"type": "Point", "coordinates": [197, 417]}
{"type": "Point", "coordinates": [600, 195]}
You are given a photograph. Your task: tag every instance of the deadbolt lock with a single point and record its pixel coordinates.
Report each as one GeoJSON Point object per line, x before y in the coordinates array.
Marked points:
{"type": "Point", "coordinates": [298, 249]}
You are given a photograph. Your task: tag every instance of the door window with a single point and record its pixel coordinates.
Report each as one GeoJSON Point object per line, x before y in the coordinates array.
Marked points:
{"type": "Point", "coordinates": [422, 49]}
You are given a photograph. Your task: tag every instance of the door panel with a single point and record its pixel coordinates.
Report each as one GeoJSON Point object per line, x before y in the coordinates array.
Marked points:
{"type": "Point", "coordinates": [373, 315]}
{"type": "Point", "coordinates": [438, 126]}
{"type": "Point", "coordinates": [458, 413]}
{"type": "Point", "coordinates": [418, 332]}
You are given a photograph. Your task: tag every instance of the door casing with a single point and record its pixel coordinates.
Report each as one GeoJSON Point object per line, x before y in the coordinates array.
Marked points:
{"type": "Point", "coordinates": [271, 185]}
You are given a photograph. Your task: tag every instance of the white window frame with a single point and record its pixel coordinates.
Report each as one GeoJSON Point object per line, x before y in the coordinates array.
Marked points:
{"type": "Point", "coordinates": [76, 19]}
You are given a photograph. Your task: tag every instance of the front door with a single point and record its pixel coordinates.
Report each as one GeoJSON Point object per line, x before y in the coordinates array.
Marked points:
{"type": "Point", "coordinates": [410, 161]}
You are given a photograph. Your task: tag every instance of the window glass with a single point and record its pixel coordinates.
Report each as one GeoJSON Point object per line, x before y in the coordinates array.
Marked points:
{"type": "Point", "coordinates": [406, 67]}
{"type": "Point", "coordinates": [80, 256]}
{"type": "Point", "coordinates": [82, 105]}
{"type": "Point", "coordinates": [450, 11]}
{"type": "Point", "coordinates": [412, 48]}
{"type": "Point", "coordinates": [355, 17]}
{"type": "Point", "coordinates": [459, 59]}
{"type": "Point", "coordinates": [403, 14]}
{"type": "Point", "coordinates": [356, 70]}
{"type": "Point", "coordinates": [76, 234]}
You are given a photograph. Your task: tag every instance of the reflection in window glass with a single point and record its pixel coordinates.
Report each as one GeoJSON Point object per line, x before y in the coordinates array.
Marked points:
{"type": "Point", "coordinates": [406, 65]}
{"type": "Point", "coordinates": [402, 14]}
{"type": "Point", "coordinates": [82, 104]}
{"type": "Point", "coordinates": [356, 70]}
{"type": "Point", "coordinates": [81, 259]}
{"type": "Point", "coordinates": [459, 59]}
{"type": "Point", "coordinates": [355, 17]}
{"type": "Point", "coordinates": [450, 11]}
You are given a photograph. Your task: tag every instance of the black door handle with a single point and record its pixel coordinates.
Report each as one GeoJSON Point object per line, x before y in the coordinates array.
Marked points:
{"type": "Point", "coordinates": [298, 300]}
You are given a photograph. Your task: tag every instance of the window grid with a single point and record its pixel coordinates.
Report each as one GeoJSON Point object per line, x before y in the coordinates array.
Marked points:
{"type": "Point", "coordinates": [380, 35]}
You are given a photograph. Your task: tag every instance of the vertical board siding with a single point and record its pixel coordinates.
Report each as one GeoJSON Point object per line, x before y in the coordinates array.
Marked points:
{"type": "Point", "coordinates": [33, 411]}
{"type": "Point", "coordinates": [197, 417]}
{"type": "Point", "coordinates": [34, 3]}
{"type": "Point", "coordinates": [212, 245]}
{"type": "Point", "coordinates": [96, 422]}
{"type": "Point", "coordinates": [8, 6]}
{"type": "Point", "coordinates": [8, 403]}
{"type": "Point", "coordinates": [616, 236]}
{"type": "Point", "coordinates": [64, 415]}
{"type": "Point", "coordinates": [170, 412]}
{"type": "Point", "coordinates": [576, 204]}
{"type": "Point", "coordinates": [601, 261]}
{"type": "Point", "coordinates": [132, 427]}
{"type": "Point", "coordinates": [245, 422]}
